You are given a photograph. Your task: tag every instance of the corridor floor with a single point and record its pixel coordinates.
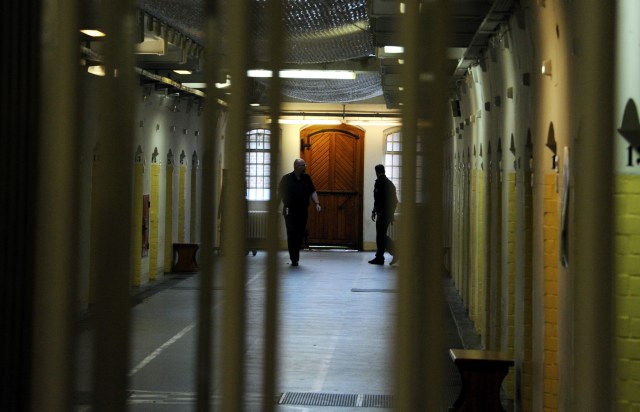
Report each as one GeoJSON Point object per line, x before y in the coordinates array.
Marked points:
{"type": "Point", "coordinates": [335, 338]}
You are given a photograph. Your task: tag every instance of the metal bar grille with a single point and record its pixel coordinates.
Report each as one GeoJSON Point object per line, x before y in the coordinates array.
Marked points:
{"type": "Point", "coordinates": [336, 399]}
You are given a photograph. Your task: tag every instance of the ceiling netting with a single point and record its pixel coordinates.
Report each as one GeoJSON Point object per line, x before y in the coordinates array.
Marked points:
{"type": "Point", "coordinates": [315, 31]}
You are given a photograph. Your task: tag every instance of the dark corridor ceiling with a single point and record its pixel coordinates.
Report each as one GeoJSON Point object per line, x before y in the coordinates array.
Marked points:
{"type": "Point", "coordinates": [325, 34]}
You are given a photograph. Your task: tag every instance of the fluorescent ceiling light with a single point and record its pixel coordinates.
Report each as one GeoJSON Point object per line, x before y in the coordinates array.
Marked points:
{"type": "Point", "coordinates": [375, 122]}
{"type": "Point", "coordinates": [309, 121]}
{"type": "Point", "coordinates": [306, 74]}
{"type": "Point", "coordinates": [93, 33]}
{"type": "Point", "coordinates": [181, 71]}
{"type": "Point", "coordinates": [195, 85]}
{"type": "Point", "coordinates": [97, 70]}
{"type": "Point", "coordinates": [393, 49]}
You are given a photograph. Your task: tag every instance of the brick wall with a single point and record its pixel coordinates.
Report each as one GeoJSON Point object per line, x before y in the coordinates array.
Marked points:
{"type": "Point", "coordinates": [550, 268]}
{"type": "Point", "coordinates": [627, 263]}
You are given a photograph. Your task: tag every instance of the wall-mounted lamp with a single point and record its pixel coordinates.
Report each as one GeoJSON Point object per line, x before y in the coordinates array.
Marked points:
{"type": "Point", "coordinates": [93, 33]}
{"type": "Point", "coordinates": [97, 70]}
{"type": "Point", "coordinates": [546, 67]}
{"type": "Point", "coordinates": [630, 128]}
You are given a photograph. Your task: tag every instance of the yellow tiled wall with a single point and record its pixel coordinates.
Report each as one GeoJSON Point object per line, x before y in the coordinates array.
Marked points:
{"type": "Point", "coordinates": [509, 382]}
{"type": "Point", "coordinates": [480, 268]}
{"type": "Point", "coordinates": [497, 270]}
{"type": "Point", "coordinates": [527, 366]}
{"type": "Point", "coordinates": [153, 221]}
{"type": "Point", "coordinates": [193, 204]}
{"type": "Point", "coordinates": [136, 225]}
{"type": "Point", "coordinates": [457, 229]}
{"type": "Point", "coordinates": [182, 189]}
{"type": "Point", "coordinates": [168, 221]}
{"type": "Point", "coordinates": [627, 263]}
{"type": "Point", "coordinates": [550, 268]}
{"type": "Point", "coordinates": [474, 302]}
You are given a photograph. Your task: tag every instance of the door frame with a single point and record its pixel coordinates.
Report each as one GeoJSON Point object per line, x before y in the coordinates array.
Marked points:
{"type": "Point", "coordinates": [358, 134]}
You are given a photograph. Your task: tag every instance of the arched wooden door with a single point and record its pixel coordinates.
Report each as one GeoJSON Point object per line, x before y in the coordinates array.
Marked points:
{"type": "Point", "coordinates": [334, 157]}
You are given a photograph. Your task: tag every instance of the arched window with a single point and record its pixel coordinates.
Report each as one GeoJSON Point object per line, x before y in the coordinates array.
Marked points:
{"type": "Point", "coordinates": [393, 161]}
{"type": "Point", "coordinates": [393, 157]}
{"type": "Point", "coordinates": [258, 164]}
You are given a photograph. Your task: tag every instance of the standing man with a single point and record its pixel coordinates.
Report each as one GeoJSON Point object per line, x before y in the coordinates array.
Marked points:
{"type": "Point", "coordinates": [385, 201]}
{"type": "Point", "coordinates": [294, 191]}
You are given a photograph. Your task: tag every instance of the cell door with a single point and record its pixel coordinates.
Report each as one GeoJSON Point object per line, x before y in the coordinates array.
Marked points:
{"type": "Point", "coordinates": [334, 158]}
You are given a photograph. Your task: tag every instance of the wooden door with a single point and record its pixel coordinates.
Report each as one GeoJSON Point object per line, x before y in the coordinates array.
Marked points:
{"type": "Point", "coordinates": [334, 157]}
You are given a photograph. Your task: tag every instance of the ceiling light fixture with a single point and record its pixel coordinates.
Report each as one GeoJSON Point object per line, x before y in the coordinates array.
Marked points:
{"type": "Point", "coordinates": [195, 85]}
{"type": "Point", "coordinates": [393, 49]}
{"type": "Point", "coordinates": [93, 33]}
{"type": "Point", "coordinates": [182, 71]}
{"type": "Point", "coordinates": [375, 122]}
{"type": "Point", "coordinates": [306, 74]}
{"type": "Point", "coordinates": [97, 70]}
{"type": "Point", "coordinates": [309, 121]}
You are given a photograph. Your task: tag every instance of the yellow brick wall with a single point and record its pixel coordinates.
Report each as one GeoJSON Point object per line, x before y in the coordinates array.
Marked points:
{"type": "Point", "coordinates": [627, 263]}
{"type": "Point", "coordinates": [136, 226]}
{"type": "Point", "coordinates": [168, 219]}
{"type": "Point", "coordinates": [182, 190]}
{"type": "Point", "coordinates": [509, 382]}
{"type": "Point", "coordinates": [550, 269]}
{"type": "Point", "coordinates": [474, 301]}
{"type": "Point", "coordinates": [497, 271]}
{"type": "Point", "coordinates": [527, 366]}
{"type": "Point", "coordinates": [456, 245]}
{"type": "Point", "coordinates": [459, 227]}
{"type": "Point", "coordinates": [193, 204]}
{"type": "Point", "coordinates": [480, 271]}
{"type": "Point", "coordinates": [153, 221]}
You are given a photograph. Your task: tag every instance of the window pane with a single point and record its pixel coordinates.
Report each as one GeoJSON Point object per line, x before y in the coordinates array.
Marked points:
{"type": "Point", "coordinates": [258, 163]}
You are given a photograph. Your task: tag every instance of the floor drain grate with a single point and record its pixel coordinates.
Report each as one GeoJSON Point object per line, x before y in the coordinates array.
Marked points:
{"type": "Point", "coordinates": [335, 399]}
{"type": "Point", "coordinates": [374, 290]}
{"type": "Point", "coordinates": [377, 401]}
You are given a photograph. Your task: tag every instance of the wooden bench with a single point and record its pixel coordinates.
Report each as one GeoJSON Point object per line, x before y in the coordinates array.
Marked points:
{"type": "Point", "coordinates": [184, 257]}
{"type": "Point", "coordinates": [482, 373]}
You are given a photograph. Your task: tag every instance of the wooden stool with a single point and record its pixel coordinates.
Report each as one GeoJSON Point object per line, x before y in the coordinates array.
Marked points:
{"type": "Point", "coordinates": [184, 257]}
{"type": "Point", "coordinates": [482, 373]}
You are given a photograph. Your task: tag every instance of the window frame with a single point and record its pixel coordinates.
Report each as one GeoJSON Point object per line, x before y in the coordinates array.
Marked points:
{"type": "Point", "coordinates": [262, 163]}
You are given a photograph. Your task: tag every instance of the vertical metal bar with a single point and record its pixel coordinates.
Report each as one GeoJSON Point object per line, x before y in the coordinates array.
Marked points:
{"type": "Point", "coordinates": [234, 209]}
{"type": "Point", "coordinates": [433, 81]}
{"type": "Point", "coordinates": [55, 281]}
{"type": "Point", "coordinates": [113, 187]}
{"type": "Point", "coordinates": [407, 351]}
{"type": "Point", "coordinates": [419, 349]}
{"type": "Point", "coordinates": [204, 370]}
{"type": "Point", "coordinates": [271, 310]}
{"type": "Point", "coordinates": [591, 255]}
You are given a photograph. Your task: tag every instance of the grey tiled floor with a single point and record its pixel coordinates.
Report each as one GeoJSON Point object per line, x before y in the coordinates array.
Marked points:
{"type": "Point", "coordinates": [335, 334]}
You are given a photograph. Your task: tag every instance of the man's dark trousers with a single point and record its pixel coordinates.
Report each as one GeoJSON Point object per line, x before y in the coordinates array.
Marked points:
{"type": "Point", "coordinates": [296, 226]}
{"type": "Point", "coordinates": [382, 240]}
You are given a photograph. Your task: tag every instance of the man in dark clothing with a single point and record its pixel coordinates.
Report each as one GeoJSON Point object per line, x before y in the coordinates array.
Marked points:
{"type": "Point", "coordinates": [385, 201]}
{"type": "Point", "coordinates": [294, 191]}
